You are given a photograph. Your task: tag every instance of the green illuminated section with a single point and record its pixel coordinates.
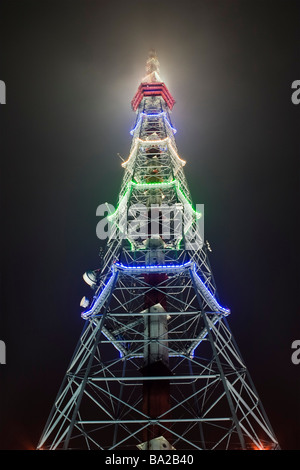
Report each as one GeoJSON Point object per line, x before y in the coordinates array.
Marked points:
{"type": "Point", "coordinates": [145, 186]}
{"type": "Point", "coordinates": [198, 214]}
{"type": "Point", "coordinates": [158, 185]}
{"type": "Point", "coordinates": [122, 207]}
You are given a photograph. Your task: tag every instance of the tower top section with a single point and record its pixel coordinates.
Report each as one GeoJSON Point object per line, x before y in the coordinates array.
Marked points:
{"type": "Point", "coordinates": [152, 84]}
{"type": "Point", "coordinates": [152, 69]}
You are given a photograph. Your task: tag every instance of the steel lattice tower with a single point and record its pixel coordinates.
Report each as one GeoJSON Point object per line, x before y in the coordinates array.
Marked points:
{"type": "Point", "coordinates": [156, 365]}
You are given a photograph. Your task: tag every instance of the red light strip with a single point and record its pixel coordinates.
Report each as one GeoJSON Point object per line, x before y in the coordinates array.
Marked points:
{"type": "Point", "coordinates": [152, 89]}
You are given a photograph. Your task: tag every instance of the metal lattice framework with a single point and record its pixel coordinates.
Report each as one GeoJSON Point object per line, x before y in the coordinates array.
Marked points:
{"type": "Point", "coordinates": [156, 356]}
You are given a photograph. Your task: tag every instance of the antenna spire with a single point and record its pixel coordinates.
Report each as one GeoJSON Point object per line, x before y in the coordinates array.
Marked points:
{"type": "Point", "coordinates": [152, 68]}
{"type": "Point", "coordinates": [152, 64]}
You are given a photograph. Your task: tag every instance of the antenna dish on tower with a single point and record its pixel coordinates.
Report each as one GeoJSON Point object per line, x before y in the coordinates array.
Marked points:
{"type": "Point", "coordinates": [84, 302]}
{"type": "Point", "coordinates": [90, 277]}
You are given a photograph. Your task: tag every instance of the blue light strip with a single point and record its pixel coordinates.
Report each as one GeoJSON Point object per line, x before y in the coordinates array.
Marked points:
{"type": "Point", "coordinates": [153, 268]}
{"type": "Point", "coordinates": [102, 297]}
{"type": "Point", "coordinates": [205, 292]}
{"type": "Point", "coordinates": [152, 115]}
{"type": "Point", "coordinates": [208, 296]}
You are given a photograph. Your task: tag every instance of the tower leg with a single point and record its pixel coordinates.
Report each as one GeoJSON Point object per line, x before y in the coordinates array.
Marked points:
{"type": "Point", "coordinates": [222, 375]}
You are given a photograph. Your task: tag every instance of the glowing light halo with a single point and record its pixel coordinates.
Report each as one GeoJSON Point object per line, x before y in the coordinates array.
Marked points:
{"type": "Point", "coordinates": [156, 142]}
{"type": "Point", "coordinates": [176, 154]}
{"type": "Point", "coordinates": [131, 153]}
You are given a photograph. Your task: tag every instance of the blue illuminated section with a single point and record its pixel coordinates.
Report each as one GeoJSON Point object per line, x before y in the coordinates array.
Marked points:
{"type": "Point", "coordinates": [207, 295]}
{"type": "Point", "coordinates": [102, 297]}
{"type": "Point", "coordinates": [153, 268]}
{"type": "Point", "coordinates": [163, 113]}
{"type": "Point", "coordinates": [167, 268]}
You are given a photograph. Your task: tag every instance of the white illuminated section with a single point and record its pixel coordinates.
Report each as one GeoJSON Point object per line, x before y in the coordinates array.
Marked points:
{"type": "Point", "coordinates": [167, 141]}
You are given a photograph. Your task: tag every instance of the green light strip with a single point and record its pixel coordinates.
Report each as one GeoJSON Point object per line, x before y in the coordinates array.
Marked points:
{"type": "Point", "coordinates": [198, 214]}
{"type": "Point", "coordinates": [142, 186]}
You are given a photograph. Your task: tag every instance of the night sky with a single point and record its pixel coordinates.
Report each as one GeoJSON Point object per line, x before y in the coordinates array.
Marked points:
{"type": "Point", "coordinates": [71, 69]}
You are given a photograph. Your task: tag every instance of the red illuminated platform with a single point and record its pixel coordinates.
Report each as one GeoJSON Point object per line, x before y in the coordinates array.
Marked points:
{"type": "Point", "coordinates": [152, 89]}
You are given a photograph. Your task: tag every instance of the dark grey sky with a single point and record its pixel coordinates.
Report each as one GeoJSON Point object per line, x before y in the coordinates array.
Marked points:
{"type": "Point", "coordinates": [71, 69]}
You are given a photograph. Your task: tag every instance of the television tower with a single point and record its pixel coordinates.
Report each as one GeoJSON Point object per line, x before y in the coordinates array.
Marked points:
{"type": "Point", "coordinates": [156, 365]}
